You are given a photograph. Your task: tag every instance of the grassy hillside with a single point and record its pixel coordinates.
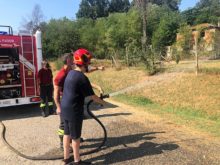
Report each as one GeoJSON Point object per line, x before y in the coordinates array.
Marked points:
{"type": "Point", "coordinates": [179, 94]}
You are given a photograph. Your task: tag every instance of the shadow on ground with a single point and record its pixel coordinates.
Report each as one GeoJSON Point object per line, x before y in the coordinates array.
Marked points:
{"type": "Point", "coordinates": [93, 107]}
{"type": "Point", "coordinates": [127, 151]}
{"type": "Point", "coordinates": [144, 149]}
{"type": "Point", "coordinates": [27, 111]}
{"type": "Point", "coordinates": [19, 112]}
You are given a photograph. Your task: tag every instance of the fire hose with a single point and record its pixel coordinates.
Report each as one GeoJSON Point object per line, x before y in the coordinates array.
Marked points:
{"type": "Point", "coordinates": [44, 157]}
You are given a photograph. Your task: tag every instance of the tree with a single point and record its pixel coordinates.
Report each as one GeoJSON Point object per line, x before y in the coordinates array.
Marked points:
{"type": "Point", "coordinates": [142, 5]}
{"type": "Point", "coordinates": [119, 6]}
{"type": "Point", "coordinates": [93, 9]}
{"type": "Point", "coordinates": [209, 11]}
{"type": "Point", "coordinates": [165, 35]}
{"type": "Point", "coordinates": [205, 11]}
{"type": "Point", "coordinates": [60, 36]}
{"type": "Point", "coordinates": [33, 22]}
{"type": "Point", "coordinates": [87, 32]}
{"type": "Point", "coordinates": [171, 4]}
{"type": "Point", "coordinates": [190, 15]}
{"type": "Point", "coordinates": [181, 49]}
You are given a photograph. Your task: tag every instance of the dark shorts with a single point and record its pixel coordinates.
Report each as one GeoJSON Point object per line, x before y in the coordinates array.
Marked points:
{"type": "Point", "coordinates": [74, 129]}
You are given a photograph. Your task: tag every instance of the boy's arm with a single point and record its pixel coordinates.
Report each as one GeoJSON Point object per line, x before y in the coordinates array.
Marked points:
{"type": "Point", "coordinates": [97, 99]}
{"type": "Point", "coordinates": [56, 93]}
{"type": "Point", "coordinates": [97, 87]}
{"type": "Point", "coordinates": [92, 68]}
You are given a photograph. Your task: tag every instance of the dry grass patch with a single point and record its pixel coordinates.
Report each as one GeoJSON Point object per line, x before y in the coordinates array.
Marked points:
{"type": "Point", "coordinates": [190, 100]}
{"type": "Point", "coordinates": [112, 80]}
{"type": "Point", "coordinates": [202, 92]}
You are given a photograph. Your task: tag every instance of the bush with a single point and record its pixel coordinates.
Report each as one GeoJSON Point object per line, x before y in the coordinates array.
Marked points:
{"type": "Point", "coordinates": [58, 64]}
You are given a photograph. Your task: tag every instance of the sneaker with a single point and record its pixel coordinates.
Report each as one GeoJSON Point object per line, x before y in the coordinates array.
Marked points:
{"type": "Point", "coordinates": [82, 163]}
{"type": "Point", "coordinates": [68, 161]}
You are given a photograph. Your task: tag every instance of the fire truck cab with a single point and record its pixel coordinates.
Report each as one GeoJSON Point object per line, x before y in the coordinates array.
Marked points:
{"type": "Point", "coordinates": [20, 61]}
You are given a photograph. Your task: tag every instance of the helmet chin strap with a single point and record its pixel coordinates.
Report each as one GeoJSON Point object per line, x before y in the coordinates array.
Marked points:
{"type": "Point", "coordinates": [87, 68]}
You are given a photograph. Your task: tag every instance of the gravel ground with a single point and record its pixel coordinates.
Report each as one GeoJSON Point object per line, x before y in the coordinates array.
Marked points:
{"type": "Point", "coordinates": [134, 137]}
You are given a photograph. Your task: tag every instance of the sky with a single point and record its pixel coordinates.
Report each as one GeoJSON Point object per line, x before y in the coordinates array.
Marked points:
{"type": "Point", "coordinates": [12, 12]}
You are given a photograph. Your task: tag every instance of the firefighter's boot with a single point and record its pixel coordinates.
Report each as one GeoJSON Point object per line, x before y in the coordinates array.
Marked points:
{"type": "Point", "coordinates": [61, 142]}
{"type": "Point", "coordinates": [43, 109]}
{"type": "Point", "coordinates": [51, 110]}
{"type": "Point", "coordinates": [61, 134]}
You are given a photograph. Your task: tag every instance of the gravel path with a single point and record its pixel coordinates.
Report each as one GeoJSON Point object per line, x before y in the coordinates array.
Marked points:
{"type": "Point", "coordinates": [134, 137]}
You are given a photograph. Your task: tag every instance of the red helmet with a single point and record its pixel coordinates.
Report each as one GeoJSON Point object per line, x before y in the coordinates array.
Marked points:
{"type": "Point", "coordinates": [82, 57]}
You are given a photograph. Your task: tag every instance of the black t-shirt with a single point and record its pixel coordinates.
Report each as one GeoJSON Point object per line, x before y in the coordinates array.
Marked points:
{"type": "Point", "coordinates": [76, 87]}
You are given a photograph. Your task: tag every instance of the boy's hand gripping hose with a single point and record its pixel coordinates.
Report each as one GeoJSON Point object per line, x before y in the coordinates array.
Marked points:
{"type": "Point", "coordinates": [45, 157]}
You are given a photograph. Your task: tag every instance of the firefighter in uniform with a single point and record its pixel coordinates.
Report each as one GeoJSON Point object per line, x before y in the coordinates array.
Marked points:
{"type": "Point", "coordinates": [59, 79]}
{"type": "Point", "coordinates": [76, 87]}
{"type": "Point", "coordinates": [58, 89]}
{"type": "Point", "coordinates": [45, 80]}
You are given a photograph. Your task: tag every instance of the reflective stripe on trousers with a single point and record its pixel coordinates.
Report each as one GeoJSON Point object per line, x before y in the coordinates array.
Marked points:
{"type": "Point", "coordinates": [42, 105]}
{"type": "Point", "coordinates": [60, 132]}
{"type": "Point", "coordinates": [50, 103]}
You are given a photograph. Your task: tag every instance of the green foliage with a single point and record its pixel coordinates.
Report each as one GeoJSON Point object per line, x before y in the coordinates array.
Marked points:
{"type": "Point", "coordinates": [184, 42]}
{"type": "Point", "coordinates": [58, 64]}
{"type": "Point", "coordinates": [206, 70]}
{"type": "Point", "coordinates": [120, 34]}
{"type": "Point", "coordinates": [186, 32]}
{"type": "Point", "coordinates": [105, 36]}
{"type": "Point", "coordinates": [176, 54]}
{"type": "Point", "coordinates": [59, 37]}
{"type": "Point", "coordinates": [205, 11]}
{"type": "Point", "coordinates": [171, 4]}
{"type": "Point", "coordinates": [101, 8]}
{"type": "Point", "coordinates": [155, 12]}
{"type": "Point", "coordinates": [165, 34]}
{"type": "Point", "coordinates": [93, 9]}
{"type": "Point", "coordinates": [87, 32]}
{"type": "Point", "coordinates": [148, 58]}
{"type": "Point", "coordinates": [189, 16]}
{"type": "Point", "coordinates": [119, 6]}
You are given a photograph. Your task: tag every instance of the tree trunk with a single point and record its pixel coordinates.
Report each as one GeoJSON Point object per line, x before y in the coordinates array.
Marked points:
{"type": "Point", "coordinates": [127, 56]}
{"type": "Point", "coordinates": [144, 18]}
{"type": "Point", "coordinates": [142, 5]}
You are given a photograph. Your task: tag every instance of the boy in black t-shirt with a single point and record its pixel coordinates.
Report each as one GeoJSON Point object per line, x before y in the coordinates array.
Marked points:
{"type": "Point", "coordinates": [76, 87]}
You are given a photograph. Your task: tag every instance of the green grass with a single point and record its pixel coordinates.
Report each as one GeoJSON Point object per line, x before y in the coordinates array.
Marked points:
{"type": "Point", "coordinates": [58, 64]}
{"type": "Point", "coordinates": [187, 116]}
{"type": "Point", "coordinates": [213, 71]}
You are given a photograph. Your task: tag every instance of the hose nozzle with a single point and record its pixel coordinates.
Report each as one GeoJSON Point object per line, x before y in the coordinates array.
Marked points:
{"type": "Point", "coordinates": [104, 96]}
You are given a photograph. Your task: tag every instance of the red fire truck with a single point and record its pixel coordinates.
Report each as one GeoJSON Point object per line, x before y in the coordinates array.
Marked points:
{"type": "Point", "coordinates": [20, 61]}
